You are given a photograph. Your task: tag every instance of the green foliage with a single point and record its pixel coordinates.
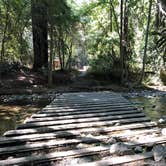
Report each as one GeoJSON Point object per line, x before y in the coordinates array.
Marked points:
{"type": "Point", "coordinates": [93, 28]}
{"type": "Point", "coordinates": [14, 24]}
{"type": "Point", "coordinates": [102, 64]}
{"type": "Point", "coordinates": [63, 21]}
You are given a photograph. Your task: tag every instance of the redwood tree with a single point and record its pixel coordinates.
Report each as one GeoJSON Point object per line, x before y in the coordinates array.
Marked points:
{"type": "Point", "coordinates": [40, 30]}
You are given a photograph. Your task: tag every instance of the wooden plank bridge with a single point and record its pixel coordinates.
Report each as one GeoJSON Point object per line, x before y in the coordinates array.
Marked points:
{"type": "Point", "coordinates": [79, 128]}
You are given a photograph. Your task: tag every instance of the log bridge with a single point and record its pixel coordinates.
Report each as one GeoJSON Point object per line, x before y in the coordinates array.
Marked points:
{"type": "Point", "coordinates": [78, 129]}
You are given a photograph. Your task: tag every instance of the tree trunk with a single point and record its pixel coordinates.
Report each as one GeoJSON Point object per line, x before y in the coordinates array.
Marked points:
{"type": "Point", "coordinates": [59, 52]}
{"type": "Point", "coordinates": [111, 26]}
{"type": "Point", "coordinates": [63, 53]}
{"type": "Point", "coordinates": [115, 17]}
{"type": "Point", "coordinates": [146, 43]}
{"type": "Point", "coordinates": [68, 63]}
{"type": "Point", "coordinates": [4, 32]}
{"type": "Point", "coordinates": [126, 41]}
{"type": "Point", "coordinates": [39, 28]}
{"type": "Point", "coordinates": [121, 42]}
{"type": "Point", "coordinates": [51, 57]}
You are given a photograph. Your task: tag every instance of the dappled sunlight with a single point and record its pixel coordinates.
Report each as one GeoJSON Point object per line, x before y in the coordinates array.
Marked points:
{"type": "Point", "coordinates": [153, 107]}
{"type": "Point", "coordinates": [21, 78]}
{"type": "Point", "coordinates": [13, 114]}
{"type": "Point", "coordinates": [75, 131]}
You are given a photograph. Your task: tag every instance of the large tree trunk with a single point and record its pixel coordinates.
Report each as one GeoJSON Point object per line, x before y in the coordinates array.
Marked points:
{"type": "Point", "coordinates": [40, 30]}
{"type": "Point", "coordinates": [146, 43]}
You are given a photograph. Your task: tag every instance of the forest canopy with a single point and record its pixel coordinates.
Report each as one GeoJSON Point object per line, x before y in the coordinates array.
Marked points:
{"type": "Point", "coordinates": [123, 39]}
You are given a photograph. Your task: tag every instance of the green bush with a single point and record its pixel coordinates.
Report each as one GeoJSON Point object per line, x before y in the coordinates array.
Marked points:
{"type": "Point", "coordinates": [101, 64]}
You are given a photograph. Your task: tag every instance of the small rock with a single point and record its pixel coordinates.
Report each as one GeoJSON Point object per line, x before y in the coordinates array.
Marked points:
{"type": "Point", "coordinates": [89, 135]}
{"type": "Point", "coordinates": [80, 146]}
{"type": "Point", "coordinates": [161, 120]}
{"type": "Point", "coordinates": [117, 124]}
{"type": "Point", "coordinates": [138, 149]}
{"type": "Point", "coordinates": [159, 152]}
{"type": "Point", "coordinates": [120, 149]}
{"type": "Point", "coordinates": [163, 131]}
{"type": "Point", "coordinates": [112, 140]}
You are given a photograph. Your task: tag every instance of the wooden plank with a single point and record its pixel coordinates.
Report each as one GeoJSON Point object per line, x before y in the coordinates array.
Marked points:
{"type": "Point", "coordinates": [76, 126]}
{"type": "Point", "coordinates": [119, 160]}
{"type": "Point", "coordinates": [113, 119]}
{"type": "Point", "coordinates": [84, 129]}
{"type": "Point", "coordinates": [83, 105]}
{"type": "Point", "coordinates": [86, 115]}
{"type": "Point", "coordinates": [87, 108]}
{"type": "Point", "coordinates": [140, 129]}
{"type": "Point", "coordinates": [71, 111]}
{"type": "Point", "coordinates": [54, 156]}
{"type": "Point", "coordinates": [83, 102]}
{"type": "Point", "coordinates": [80, 120]}
{"type": "Point", "coordinates": [89, 96]}
{"type": "Point", "coordinates": [50, 144]}
{"type": "Point", "coordinates": [97, 139]}
{"type": "Point", "coordinates": [89, 100]}
{"type": "Point", "coordinates": [60, 109]}
{"type": "Point", "coordinates": [82, 113]}
{"type": "Point", "coordinates": [89, 103]}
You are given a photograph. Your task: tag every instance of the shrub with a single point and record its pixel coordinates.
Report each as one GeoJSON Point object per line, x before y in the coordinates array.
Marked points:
{"type": "Point", "coordinates": [101, 64]}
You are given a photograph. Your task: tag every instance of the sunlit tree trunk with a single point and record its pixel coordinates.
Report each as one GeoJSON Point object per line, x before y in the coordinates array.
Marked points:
{"type": "Point", "coordinates": [146, 43]}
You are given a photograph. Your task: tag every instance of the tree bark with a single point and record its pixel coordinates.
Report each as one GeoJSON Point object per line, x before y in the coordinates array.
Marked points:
{"type": "Point", "coordinates": [146, 43]}
{"type": "Point", "coordinates": [121, 41]}
{"type": "Point", "coordinates": [51, 57]}
{"type": "Point", "coordinates": [4, 32]}
{"type": "Point", "coordinates": [125, 45]}
{"type": "Point", "coordinates": [115, 17]}
{"type": "Point", "coordinates": [40, 30]}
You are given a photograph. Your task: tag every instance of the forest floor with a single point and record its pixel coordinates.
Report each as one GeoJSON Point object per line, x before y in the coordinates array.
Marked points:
{"type": "Point", "coordinates": [26, 81]}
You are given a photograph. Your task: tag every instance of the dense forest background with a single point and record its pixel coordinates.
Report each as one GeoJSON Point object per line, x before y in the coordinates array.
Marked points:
{"type": "Point", "coordinates": [124, 40]}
